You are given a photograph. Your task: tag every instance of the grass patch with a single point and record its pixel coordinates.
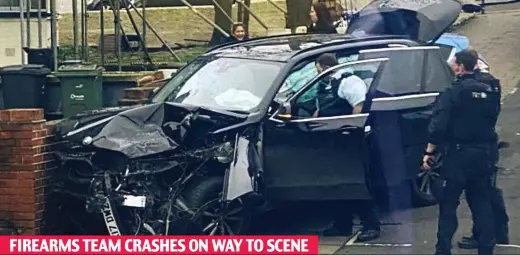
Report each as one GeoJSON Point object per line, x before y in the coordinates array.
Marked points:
{"type": "Point", "coordinates": [174, 24]}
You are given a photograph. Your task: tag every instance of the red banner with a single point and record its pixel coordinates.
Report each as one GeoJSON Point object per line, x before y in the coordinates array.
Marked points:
{"type": "Point", "coordinates": [158, 245]}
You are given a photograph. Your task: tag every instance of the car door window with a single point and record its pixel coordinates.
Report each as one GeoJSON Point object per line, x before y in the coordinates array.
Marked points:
{"type": "Point", "coordinates": [297, 79]}
{"type": "Point", "coordinates": [412, 70]}
{"type": "Point", "coordinates": [303, 74]}
{"type": "Point", "coordinates": [336, 92]}
{"type": "Point", "coordinates": [348, 58]}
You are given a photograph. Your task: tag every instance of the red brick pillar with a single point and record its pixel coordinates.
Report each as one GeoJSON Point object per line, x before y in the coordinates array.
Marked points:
{"type": "Point", "coordinates": [26, 164]}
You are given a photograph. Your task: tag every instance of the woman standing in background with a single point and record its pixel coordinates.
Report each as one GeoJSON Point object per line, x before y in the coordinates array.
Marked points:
{"type": "Point", "coordinates": [321, 20]}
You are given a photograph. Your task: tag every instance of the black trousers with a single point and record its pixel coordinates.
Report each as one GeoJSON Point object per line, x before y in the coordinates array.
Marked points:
{"type": "Point", "coordinates": [467, 168]}
{"type": "Point", "coordinates": [365, 209]}
{"type": "Point", "coordinates": [498, 206]}
{"type": "Point", "coordinates": [500, 217]}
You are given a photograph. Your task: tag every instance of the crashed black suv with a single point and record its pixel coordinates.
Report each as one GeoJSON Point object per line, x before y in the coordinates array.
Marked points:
{"type": "Point", "coordinates": [226, 135]}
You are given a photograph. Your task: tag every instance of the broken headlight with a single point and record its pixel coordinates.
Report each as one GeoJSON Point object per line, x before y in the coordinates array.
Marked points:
{"type": "Point", "coordinates": [224, 153]}
{"type": "Point", "coordinates": [87, 140]}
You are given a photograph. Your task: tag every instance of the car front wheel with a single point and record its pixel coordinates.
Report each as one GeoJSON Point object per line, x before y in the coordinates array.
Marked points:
{"type": "Point", "coordinates": [212, 215]}
{"type": "Point", "coordinates": [422, 189]}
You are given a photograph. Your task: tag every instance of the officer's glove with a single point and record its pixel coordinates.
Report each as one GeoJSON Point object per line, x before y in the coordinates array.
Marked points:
{"type": "Point", "coordinates": [428, 162]}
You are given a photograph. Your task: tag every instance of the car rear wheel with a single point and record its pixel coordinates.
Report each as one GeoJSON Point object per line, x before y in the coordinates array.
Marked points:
{"type": "Point", "coordinates": [213, 216]}
{"type": "Point", "coordinates": [422, 189]}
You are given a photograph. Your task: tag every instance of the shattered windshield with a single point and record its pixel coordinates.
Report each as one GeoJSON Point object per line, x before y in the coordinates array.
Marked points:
{"type": "Point", "coordinates": [221, 83]}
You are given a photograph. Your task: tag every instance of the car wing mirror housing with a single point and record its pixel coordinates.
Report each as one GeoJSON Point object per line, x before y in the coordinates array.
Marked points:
{"type": "Point", "coordinates": [152, 94]}
{"type": "Point", "coordinates": [284, 112]}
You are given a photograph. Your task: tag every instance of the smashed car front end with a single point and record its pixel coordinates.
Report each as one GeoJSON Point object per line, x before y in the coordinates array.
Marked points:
{"type": "Point", "coordinates": [135, 168]}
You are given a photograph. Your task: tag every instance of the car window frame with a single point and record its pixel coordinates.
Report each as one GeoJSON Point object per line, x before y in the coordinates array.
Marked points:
{"type": "Point", "coordinates": [425, 48]}
{"type": "Point", "coordinates": [312, 59]}
{"type": "Point", "coordinates": [205, 58]}
{"type": "Point", "coordinates": [293, 97]}
{"type": "Point", "coordinates": [340, 54]}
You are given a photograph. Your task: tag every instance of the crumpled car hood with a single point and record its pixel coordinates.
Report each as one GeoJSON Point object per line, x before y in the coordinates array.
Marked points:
{"type": "Point", "coordinates": [135, 132]}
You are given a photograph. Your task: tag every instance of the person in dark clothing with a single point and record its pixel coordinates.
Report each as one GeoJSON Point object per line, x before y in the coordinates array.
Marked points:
{"type": "Point", "coordinates": [349, 92]}
{"type": "Point", "coordinates": [497, 199]}
{"type": "Point", "coordinates": [321, 20]}
{"type": "Point", "coordinates": [238, 33]}
{"type": "Point", "coordinates": [463, 123]}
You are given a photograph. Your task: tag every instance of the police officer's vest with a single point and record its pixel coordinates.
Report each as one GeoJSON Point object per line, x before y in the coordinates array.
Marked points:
{"type": "Point", "coordinates": [475, 114]}
{"type": "Point", "coordinates": [330, 103]}
{"type": "Point", "coordinates": [488, 79]}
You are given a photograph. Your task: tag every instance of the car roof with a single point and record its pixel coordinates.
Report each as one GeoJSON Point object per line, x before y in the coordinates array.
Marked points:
{"type": "Point", "coordinates": [284, 47]}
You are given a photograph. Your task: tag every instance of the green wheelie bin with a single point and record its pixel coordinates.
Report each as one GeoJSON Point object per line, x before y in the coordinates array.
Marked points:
{"type": "Point", "coordinates": [82, 88]}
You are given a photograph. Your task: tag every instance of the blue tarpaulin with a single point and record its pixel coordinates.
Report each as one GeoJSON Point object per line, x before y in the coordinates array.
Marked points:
{"type": "Point", "coordinates": [459, 42]}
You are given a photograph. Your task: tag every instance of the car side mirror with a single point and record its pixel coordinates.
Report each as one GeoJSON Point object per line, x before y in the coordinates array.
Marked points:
{"type": "Point", "coordinates": [152, 94]}
{"type": "Point", "coordinates": [471, 8]}
{"type": "Point", "coordinates": [284, 112]}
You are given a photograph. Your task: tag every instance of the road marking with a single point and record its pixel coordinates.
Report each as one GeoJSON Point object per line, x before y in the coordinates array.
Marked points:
{"type": "Point", "coordinates": [352, 239]}
{"type": "Point", "coordinates": [508, 245]}
{"type": "Point", "coordinates": [382, 244]}
{"type": "Point", "coordinates": [352, 242]}
{"type": "Point", "coordinates": [513, 91]}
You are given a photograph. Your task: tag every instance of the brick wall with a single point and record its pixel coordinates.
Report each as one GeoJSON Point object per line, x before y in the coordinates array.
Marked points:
{"type": "Point", "coordinates": [26, 167]}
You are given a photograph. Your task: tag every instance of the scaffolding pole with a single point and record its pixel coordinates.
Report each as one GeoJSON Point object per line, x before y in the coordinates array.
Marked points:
{"type": "Point", "coordinates": [40, 40]}
{"type": "Point", "coordinates": [75, 27]}
{"type": "Point", "coordinates": [85, 32]}
{"type": "Point", "coordinates": [28, 16]}
{"type": "Point", "coordinates": [155, 32]}
{"type": "Point", "coordinates": [54, 36]}
{"type": "Point", "coordinates": [215, 3]}
{"type": "Point", "coordinates": [277, 6]}
{"type": "Point", "coordinates": [22, 31]}
{"type": "Point", "coordinates": [147, 55]}
{"type": "Point", "coordinates": [102, 27]}
{"type": "Point", "coordinates": [145, 46]}
{"type": "Point", "coordinates": [82, 6]}
{"type": "Point", "coordinates": [253, 14]}
{"type": "Point", "coordinates": [118, 33]}
{"type": "Point", "coordinates": [210, 22]}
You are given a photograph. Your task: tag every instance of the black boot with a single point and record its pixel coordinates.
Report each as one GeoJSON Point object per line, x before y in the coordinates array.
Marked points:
{"type": "Point", "coordinates": [368, 235]}
{"type": "Point", "coordinates": [471, 242]}
{"type": "Point", "coordinates": [468, 243]}
{"type": "Point", "coordinates": [502, 235]}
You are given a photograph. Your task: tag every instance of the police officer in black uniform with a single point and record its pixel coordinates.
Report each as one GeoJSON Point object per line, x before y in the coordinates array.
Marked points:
{"type": "Point", "coordinates": [463, 124]}
{"type": "Point", "coordinates": [332, 101]}
{"type": "Point", "coordinates": [497, 199]}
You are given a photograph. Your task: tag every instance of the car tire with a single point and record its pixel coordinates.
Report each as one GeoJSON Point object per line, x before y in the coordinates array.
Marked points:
{"type": "Point", "coordinates": [420, 195]}
{"type": "Point", "coordinates": [211, 215]}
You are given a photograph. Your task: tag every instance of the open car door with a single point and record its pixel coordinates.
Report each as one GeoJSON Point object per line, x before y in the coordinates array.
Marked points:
{"type": "Point", "coordinates": [402, 108]}
{"type": "Point", "coordinates": [319, 158]}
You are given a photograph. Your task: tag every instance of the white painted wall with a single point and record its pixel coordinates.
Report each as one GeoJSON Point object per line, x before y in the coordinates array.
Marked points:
{"type": "Point", "coordinates": [10, 44]}
{"type": "Point", "coordinates": [65, 6]}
